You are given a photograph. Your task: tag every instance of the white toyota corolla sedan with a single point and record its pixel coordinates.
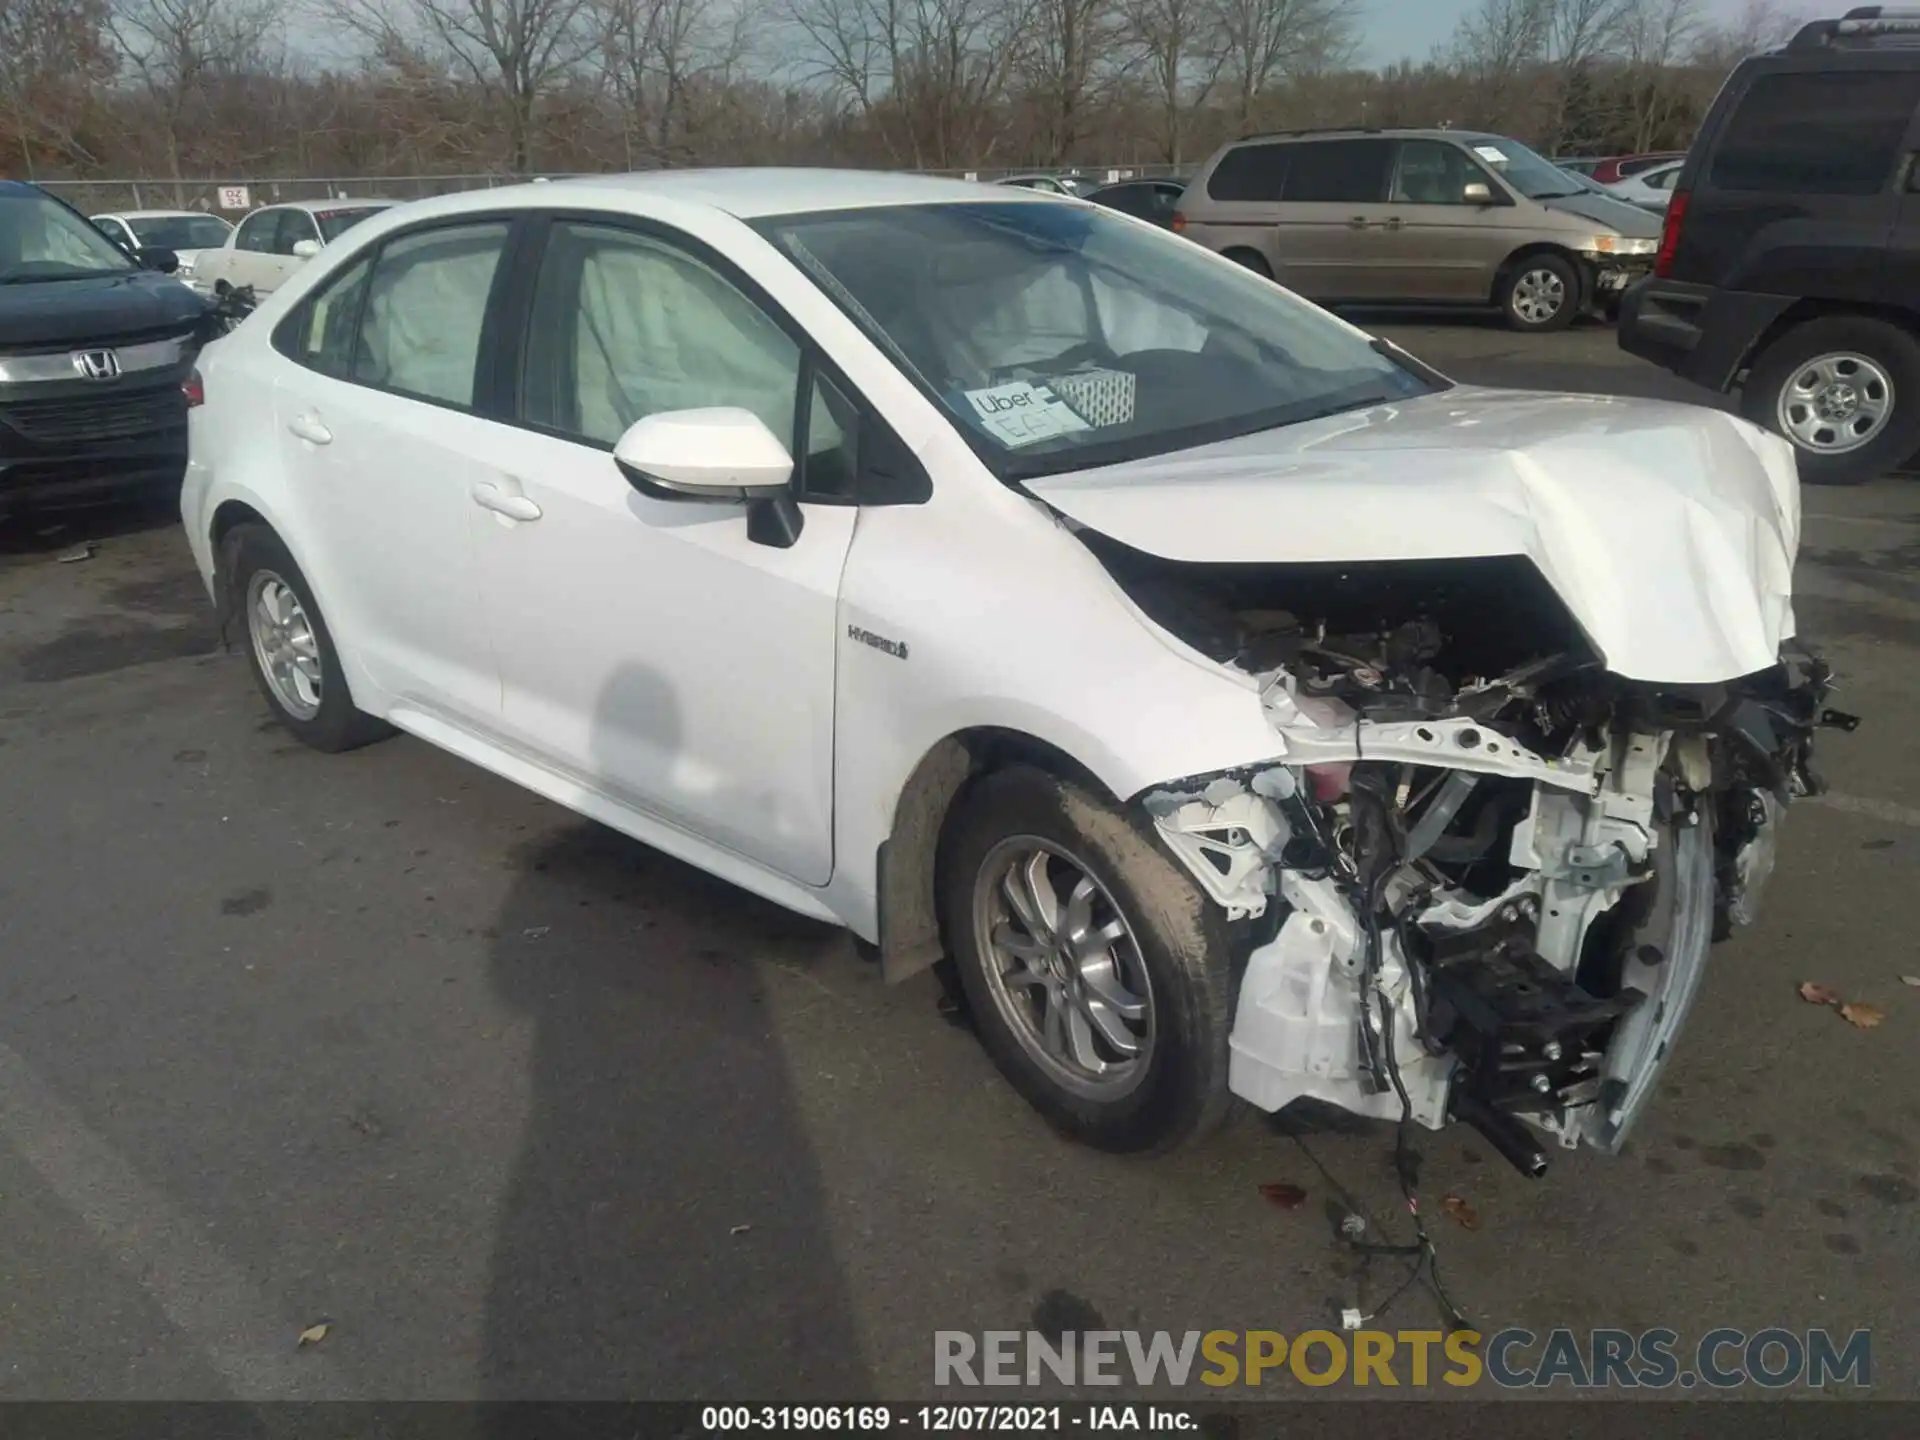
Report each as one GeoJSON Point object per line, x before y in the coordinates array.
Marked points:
{"type": "Point", "coordinates": [1244, 708]}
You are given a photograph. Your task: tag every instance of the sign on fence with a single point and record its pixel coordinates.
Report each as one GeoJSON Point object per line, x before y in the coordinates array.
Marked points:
{"type": "Point", "coordinates": [235, 197]}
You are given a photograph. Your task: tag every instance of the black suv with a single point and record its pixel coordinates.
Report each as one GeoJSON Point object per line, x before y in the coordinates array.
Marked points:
{"type": "Point", "coordinates": [1790, 262]}
{"type": "Point", "coordinates": [95, 349]}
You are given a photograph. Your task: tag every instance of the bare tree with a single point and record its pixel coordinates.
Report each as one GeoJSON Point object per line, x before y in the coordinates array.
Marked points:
{"type": "Point", "coordinates": [1577, 34]}
{"type": "Point", "coordinates": [513, 52]}
{"type": "Point", "coordinates": [1760, 25]}
{"type": "Point", "coordinates": [1655, 36]}
{"type": "Point", "coordinates": [1496, 47]}
{"type": "Point", "coordinates": [655, 54]}
{"type": "Point", "coordinates": [181, 52]}
{"type": "Point", "coordinates": [1183, 48]}
{"type": "Point", "coordinates": [52, 52]}
{"type": "Point", "coordinates": [925, 75]}
{"type": "Point", "coordinates": [1265, 41]}
{"type": "Point", "coordinates": [1072, 50]}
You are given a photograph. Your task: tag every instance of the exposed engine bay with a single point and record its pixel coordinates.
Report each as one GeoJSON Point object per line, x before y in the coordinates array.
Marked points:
{"type": "Point", "coordinates": [1483, 881]}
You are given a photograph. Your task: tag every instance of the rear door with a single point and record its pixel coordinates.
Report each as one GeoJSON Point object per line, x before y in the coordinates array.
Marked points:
{"type": "Point", "coordinates": [1800, 186]}
{"type": "Point", "coordinates": [1333, 237]}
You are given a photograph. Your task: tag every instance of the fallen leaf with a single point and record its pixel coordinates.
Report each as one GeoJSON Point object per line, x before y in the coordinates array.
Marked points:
{"type": "Point", "coordinates": [1461, 1211]}
{"type": "Point", "coordinates": [1816, 994]}
{"type": "Point", "coordinates": [534, 932]}
{"type": "Point", "coordinates": [1287, 1197]}
{"type": "Point", "coordinates": [314, 1334]}
{"type": "Point", "coordinates": [1910, 980]}
{"type": "Point", "coordinates": [1862, 1017]}
{"type": "Point", "coordinates": [739, 1229]}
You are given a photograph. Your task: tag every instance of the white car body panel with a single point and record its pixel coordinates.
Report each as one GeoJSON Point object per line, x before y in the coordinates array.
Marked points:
{"type": "Point", "coordinates": [1669, 530]}
{"type": "Point", "coordinates": [759, 711]}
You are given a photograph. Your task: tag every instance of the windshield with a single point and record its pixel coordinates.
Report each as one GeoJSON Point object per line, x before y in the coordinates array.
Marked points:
{"type": "Point", "coordinates": [41, 239]}
{"type": "Point", "coordinates": [1061, 336]}
{"type": "Point", "coordinates": [335, 223]}
{"type": "Point", "coordinates": [1533, 177]}
{"type": "Point", "coordinates": [180, 232]}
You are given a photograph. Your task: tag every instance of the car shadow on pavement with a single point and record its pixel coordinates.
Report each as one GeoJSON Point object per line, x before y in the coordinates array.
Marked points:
{"type": "Point", "coordinates": [664, 1233]}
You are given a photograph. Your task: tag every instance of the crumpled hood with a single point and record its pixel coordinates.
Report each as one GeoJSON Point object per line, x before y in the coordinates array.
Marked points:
{"type": "Point", "coordinates": [1616, 214]}
{"type": "Point", "coordinates": [1669, 530]}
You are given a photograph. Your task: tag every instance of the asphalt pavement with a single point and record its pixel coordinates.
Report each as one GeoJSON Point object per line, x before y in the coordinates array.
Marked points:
{"type": "Point", "coordinates": [517, 1108]}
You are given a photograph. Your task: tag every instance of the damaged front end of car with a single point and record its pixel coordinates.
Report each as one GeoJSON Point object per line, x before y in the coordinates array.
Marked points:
{"type": "Point", "coordinates": [1481, 878]}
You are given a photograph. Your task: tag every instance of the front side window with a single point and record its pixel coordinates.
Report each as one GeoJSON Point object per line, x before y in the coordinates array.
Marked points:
{"type": "Point", "coordinates": [41, 239]}
{"type": "Point", "coordinates": [1832, 133]}
{"type": "Point", "coordinates": [323, 332]}
{"type": "Point", "coordinates": [257, 231]}
{"type": "Point", "coordinates": [425, 304]}
{"type": "Point", "coordinates": [1058, 337]}
{"type": "Point", "coordinates": [1351, 172]}
{"type": "Point", "coordinates": [1432, 172]}
{"type": "Point", "coordinates": [295, 226]}
{"type": "Point", "coordinates": [625, 326]}
{"type": "Point", "coordinates": [181, 232]}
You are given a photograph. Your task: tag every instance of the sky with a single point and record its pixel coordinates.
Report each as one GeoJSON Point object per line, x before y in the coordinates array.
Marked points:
{"type": "Point", "coordinates": [1410, 29]}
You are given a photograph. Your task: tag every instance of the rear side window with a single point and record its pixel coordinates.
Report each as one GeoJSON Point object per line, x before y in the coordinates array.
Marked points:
{"type": "Point", "coordinates": [1347, 171]}
{"type": "Point", "coordinates": [420, 325]}
{"type": "Point", "coordinates": [1250, 172]}
{"type": "Point", "coordinates": [1828, 133]}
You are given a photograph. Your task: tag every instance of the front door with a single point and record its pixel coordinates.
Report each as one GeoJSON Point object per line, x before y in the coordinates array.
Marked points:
{"type": "Point", "coordinates": [1438, 245]}
{"type": "Point", "coordinates": [381, 442]}
{"type": "Point", "coordinates": [649, 647]}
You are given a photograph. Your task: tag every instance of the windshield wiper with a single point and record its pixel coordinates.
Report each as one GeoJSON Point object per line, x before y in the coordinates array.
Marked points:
{"type": "Point", "coordinates": [1561, 194]}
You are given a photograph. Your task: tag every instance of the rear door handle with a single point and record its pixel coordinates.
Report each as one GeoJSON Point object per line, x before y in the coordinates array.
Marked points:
{"type": "Point", "coordinates": [1392, 222]}
{"type": "Point", "coordinates": [310, 429]}
{"type": "Point", "coordinates": [1358, 222]}
{"type": "Point", "coordinates": [515, 507]}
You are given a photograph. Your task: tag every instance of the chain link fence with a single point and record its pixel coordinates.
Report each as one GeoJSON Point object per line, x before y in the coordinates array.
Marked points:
{"type": "Point", "coordinates": [235, 194]}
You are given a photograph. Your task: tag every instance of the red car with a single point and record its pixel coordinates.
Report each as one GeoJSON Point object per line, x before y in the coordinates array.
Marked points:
{"type": "Point", "coordinates": [1607, 172]}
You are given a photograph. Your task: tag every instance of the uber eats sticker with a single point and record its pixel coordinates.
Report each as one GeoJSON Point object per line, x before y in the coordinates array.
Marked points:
{"type": "Point", "coordinates": [1019, 414]}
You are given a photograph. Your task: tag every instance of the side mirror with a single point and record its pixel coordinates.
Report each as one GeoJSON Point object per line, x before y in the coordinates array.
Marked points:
{"type": "Point", "coordinates": [724, 455]}
{"type": "Point", "coordinates": [307, 249]}
{"type": "Point", "coordinates": [157, 258]}
{"type": "Point", "coordinates": [1476, 192]}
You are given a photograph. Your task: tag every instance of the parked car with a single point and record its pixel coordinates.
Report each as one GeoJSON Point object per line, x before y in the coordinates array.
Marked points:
{"type": "Point", "coordinates": [1007, 580]}
{"type": "Point", "coordinates": [1434, 217]}
{"type": "Point", "coordinates": [1154, 200]}
{"type": "Point", "coordinates": [1651, 189]}
{"type": "Point", "coordinates": [1624, 167]}
{"type": "Point", "coordinates": [185, 232]}
{"type": "Point", "coordinates": [276, 240]}
{"type": "Point", "coordinates": [1077, 185]}
{"type": "Point", "coordinates": [94, 348]}
{"type": "Point", "coordinates": [1786, 268]}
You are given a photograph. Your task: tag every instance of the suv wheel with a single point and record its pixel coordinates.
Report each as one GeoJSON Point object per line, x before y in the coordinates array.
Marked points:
{"type": "Point", "coordinates": [1845, 389]}
{"type": "Point", "coordinates": [1541, 292]}
{"type": "Point", "coordinates": [289, 645]}
{"type": "Point", "coordinates": [1096, 972]}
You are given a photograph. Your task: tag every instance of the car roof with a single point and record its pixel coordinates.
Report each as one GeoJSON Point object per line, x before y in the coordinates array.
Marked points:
{"type": "Point", "coordinates": [1358, 132]}
{"type": "Point", "coordinates": [156, 215]}
{"type": "Point", "coordinates": [359, 202]}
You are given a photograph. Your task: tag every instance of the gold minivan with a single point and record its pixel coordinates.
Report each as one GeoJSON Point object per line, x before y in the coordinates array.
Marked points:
{"type": "Point", "coordinates": [1422, 217]}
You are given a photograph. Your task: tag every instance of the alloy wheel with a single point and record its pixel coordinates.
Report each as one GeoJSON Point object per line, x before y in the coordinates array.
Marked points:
{"type": "Point", "coordinates": [1538, 295]}
{"type": "Point", "coordinates": [1064, 968]}
{"type": "Point", "coordinates": [285, 644]}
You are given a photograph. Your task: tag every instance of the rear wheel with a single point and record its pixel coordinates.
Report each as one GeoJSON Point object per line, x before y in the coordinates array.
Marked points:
{"type": "Point", "coordinates": [1253, 260]}
{"type": "Point", "coordinates": [1845, 390]}
{"type": "Point", "coordinates": [289, 646]}
{"type": "Point", "coordinates": [1540, 292]}
{"type": "Point", "coordinates": [1096, 972]}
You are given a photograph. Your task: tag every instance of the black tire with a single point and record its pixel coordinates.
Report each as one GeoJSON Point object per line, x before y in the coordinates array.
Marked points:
{"type": "Point", "coordinates": [1520, 293]}
{"type": "Point", "coordinates": [1252, 260]}
{"type": "Point", "coordinates": [1893, 349]}
{"type": "Point", "coordinates": [337, 724]}
{"type": "Point", "coordinates": [1177, 939]}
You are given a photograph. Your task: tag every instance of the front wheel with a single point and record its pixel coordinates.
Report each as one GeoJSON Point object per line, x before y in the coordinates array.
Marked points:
{"type": "Point", "coordinates": [1096, 971]}
{"type": "Point", "coordinates": [1845, 390]}
{"type": "Point", "coordinates": [1541, 292]}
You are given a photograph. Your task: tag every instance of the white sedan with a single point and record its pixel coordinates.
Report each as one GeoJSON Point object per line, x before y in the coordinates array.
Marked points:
{"type": "Point", "coordinates": [185, 232]}
{"type": "Point", "coordinates": [1243, 707]}
{"type": "Point", "coordinates": [1649, 189]}
{"type": "Point", "coordinates": [274, 241]}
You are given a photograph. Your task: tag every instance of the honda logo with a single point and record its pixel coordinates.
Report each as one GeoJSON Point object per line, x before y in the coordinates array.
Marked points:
{"type": "Point", "coordinates": [96, 364]}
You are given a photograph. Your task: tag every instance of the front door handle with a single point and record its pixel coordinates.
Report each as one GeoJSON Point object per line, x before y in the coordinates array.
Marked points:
{"type": "Point", "coordinates": [514, 507]}
{"type": "Point", "coordinates": [1358, 222]}
{"type": "Point", "coordinates": [310, 429]}
{"type": "Point", "coordinates": [1392, 222]}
